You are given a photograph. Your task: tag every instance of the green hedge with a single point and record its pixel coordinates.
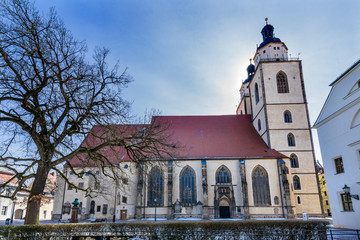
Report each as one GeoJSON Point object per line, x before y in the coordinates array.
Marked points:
{"type": "Point", "coordinates": [272, 229]}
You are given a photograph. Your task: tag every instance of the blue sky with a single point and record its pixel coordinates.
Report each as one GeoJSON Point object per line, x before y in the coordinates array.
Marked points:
{"type": "Point", "coordinates": [190, 57]}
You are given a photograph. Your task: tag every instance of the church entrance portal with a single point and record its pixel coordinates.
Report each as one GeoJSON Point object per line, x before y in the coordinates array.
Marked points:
{"type": "Point", "coordinates": [224, 212]}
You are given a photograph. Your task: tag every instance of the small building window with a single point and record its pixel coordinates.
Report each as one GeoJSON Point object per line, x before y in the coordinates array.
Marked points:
{"type": "Point", "coordinates": [276, 200]}
{"type": "Point", "coordinates": [282, 82]}
{"type": "Point", "coordinates": [287, 117]}
{"type": "Point", "coordinates": [98, 208]}
{"type": "Point", "coordinates": [256, 93]}
{"type": "Point", "coordinates": [291, 140]}
{"type": "Point", "coordinates": [294, 161]}
{"type": "Point", "coordinates": [298, 200]}
{"type": "Point", "coordinates": [326, 202]}
{"type": "Point", "coordinates": [81, 185]}
{"type": "Point", "coordinates": [347, 203]}
{"type": "Point", "coordinates": [105, 207]}
{"type": "Point", "coordinates": [4, 210]}
{"type": "Point", "coordinates": [69, 187]}
{"type": "Point", "coordinates": [325, 193]}
{"type": "Point", "coordinates": [259, 124]}
{"type": "Point", "coordinates": [124, 199]}
{"type": "Point", "coordinates": [125, 181]}
{"type": "Point", "coordinates": [264, 51]}
{"type": "Point", "coordinates": [339, 165]}
{"type": "Point", "coordinates": [96, 185]}
{"type": "Point", "coordinates": [296, 181]}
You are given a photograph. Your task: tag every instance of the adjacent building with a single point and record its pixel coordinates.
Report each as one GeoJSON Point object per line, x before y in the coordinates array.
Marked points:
{"type": "Point", "coordinates": [16, 208]}
{"type": "Point", "coordinates": [338, 127]}
{"type": "Point", "coordinates": [258, 163]}
{"type": "Point", "coordinates": [323, 190]}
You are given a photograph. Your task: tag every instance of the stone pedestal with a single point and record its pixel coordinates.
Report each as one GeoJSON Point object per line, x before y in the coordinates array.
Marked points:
{"type": "Point", "coordinates": [74, 214]}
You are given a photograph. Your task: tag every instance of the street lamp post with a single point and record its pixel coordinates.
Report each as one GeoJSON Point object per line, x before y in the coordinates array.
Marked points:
{"type": "Point", "coordinates": [155, 201]}
{"type": "Point", "coordinates": [346, 190]}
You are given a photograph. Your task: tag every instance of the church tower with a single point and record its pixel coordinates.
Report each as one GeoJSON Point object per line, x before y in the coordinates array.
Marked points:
{"type": "Point", "coordinates": [274, 95]}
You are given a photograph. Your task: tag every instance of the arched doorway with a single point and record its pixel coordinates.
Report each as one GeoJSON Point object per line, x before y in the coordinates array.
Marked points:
{"type": "Point", "coordinates": [18, 214]}
{"type": "Point", "coordinates": [224, 208]}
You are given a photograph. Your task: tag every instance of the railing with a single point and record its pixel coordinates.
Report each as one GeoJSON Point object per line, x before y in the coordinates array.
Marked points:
{"type": "Point", "coordinates": [343, 234]}
{"type": "Point", "coordinates": [278, 59]}
{"type": "Point", "coordinates": [188, 235]}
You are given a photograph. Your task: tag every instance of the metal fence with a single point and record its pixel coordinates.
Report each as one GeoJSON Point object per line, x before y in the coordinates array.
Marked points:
{"type": "Point", "coordinates": [187, 235]}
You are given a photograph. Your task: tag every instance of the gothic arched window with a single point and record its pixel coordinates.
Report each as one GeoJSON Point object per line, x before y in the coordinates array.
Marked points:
{"type": "Point", "coordinates": [296, 181]}
{"type": "Point", "coordinates": [187, 186]}
{"type": "Point", "coordinates": [287, 117]}
{"type": "Point", "coordinates": [291, 140]}
{"type": "Point", "coordinates": [259, 124]}
{"type": "Point", "coordinates": [92, 207]}
{"type": "Point", "coordinates": [282, 82]}
{"type": "Point", "coordinates": [156, 188]}
{"type": "Point", "coordinates": [223, 175]}
{"type": "Point", "coordinates": [294, 161]}
{"type": "Point", "coordinates": [260, 185]}
{"type": "Point", "coordinates": [256, 93]}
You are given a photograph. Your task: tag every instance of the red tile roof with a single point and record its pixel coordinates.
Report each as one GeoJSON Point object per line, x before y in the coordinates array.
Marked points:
{"type": "Point", "coordinates": [212, 137]}
{"type": "Point", "coordinates": [6, 176]}
{"type": "Point", "coordinates": [199, 137]}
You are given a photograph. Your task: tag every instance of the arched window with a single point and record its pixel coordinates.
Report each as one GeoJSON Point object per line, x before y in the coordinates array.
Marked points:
{"type": "Point", "coordinates": [260, 185]}
{"type": "Point", "coordinates": [294, 161]}
{"type": "Point", "coordinates": [259, 124]}
{"type": "Point", "coordinates": [256, 93]}
{"type": "Point", "coordinates": [187, 186]}
{"type": "Point", "coordinates": [282, 82]}
{"type": "Point", "coordinates": [156, 188]}
{"type": "Point", "coordinates": [296, 181]}
{"type": "Point", "coordinates": [92, 207]}
{"type": "Point", "coordinates": [298, 200]}
{"type": "Point", "coordinates": [223, 175]}
{"type": "Point", "coordinates": [287, 117]}
{"type": "Point", "coordinates": [291, 140]}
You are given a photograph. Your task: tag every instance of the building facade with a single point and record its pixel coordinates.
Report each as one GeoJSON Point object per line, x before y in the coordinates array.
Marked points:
{"type": "Point", "coordinates": [255, 164]}
{"type": "Point", "coordinates": [323, 190]}
{"type": "Point", "coordinates": [338, 127]}
{"type": "Point", "coordinates": [16, 208]}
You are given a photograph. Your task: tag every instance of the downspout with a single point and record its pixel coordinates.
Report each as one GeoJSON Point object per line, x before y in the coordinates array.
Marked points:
{"type": "Point", "coordinates": [281, 191]}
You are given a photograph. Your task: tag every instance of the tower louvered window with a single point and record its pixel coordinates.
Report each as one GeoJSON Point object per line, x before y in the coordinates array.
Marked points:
{"type": "Point", "coordinates": [282, 83]}
{"type": "Point", "coordinates": [156, 188]}
{"type": "Point", "coordinates": [260, 184]}
{"type": "Point", "coordinates": [187, 186]}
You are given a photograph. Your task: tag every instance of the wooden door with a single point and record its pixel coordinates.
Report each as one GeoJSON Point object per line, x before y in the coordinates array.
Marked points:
{"type": "Point", "coordinates": [123, 214]}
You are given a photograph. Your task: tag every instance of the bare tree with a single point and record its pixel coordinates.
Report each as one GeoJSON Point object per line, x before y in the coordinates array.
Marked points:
{"type": "Point", "coordinates": [51, 97]}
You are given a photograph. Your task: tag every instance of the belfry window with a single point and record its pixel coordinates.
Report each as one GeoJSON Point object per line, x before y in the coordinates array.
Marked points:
{"type": "Point", "coordinates": [282, 82]}
{"type": "Point", "coordinates": [156, 188]}
{"type": "Point", "coordinates": [296, 181]}
{"type": "Point", "coordinates": [223, 176]}
{"type": "Point", "coordinates": [287, 117]}
{"type": "Point", "coordinates": [187, 186]}
{"type": "Point", "coordinates": [256, 93]}
{"type": "Point", "coordinates": [294, 161]}
{"type": "Point", "coordinates": [291, 140]}
{"type": "Point", "coordinates": [260, 185]}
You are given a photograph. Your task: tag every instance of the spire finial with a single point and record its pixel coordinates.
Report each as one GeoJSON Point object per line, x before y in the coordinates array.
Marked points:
{"type": "Point", "coordinates": [266, 19]}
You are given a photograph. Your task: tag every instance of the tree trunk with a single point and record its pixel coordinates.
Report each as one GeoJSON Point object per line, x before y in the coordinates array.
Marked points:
{"type": "Point", "coordinates": [36, 194]}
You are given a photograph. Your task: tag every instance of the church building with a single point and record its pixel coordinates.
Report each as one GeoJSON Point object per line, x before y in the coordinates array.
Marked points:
{"type": "Point", "coordinates": [258, 163]}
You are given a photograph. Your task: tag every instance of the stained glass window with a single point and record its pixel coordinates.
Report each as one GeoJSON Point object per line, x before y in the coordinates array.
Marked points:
{"type": "Point", "coordinates": [260, 185]}
{"type": "Point", "coordinates": [223, 175]}
{"type": "Point", "coordinates": [188, 186]}
{"type": "Point", "coordinates": [297, 185]}
{"type": "Point", "coordinates": [294, 161]}
{"type": "Point", "coordinates": [291, 140]}
{"type": "Point", "coordinates": [156, 188]}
